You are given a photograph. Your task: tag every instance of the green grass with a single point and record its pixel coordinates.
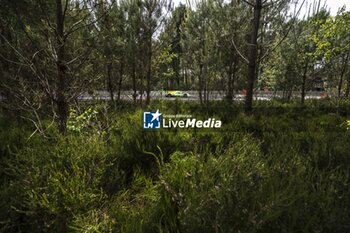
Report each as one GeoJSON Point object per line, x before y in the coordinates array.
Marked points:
{"type": "Point", "coordinates": [282, 169]}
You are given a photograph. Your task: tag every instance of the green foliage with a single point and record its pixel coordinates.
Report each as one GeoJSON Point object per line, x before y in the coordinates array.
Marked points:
{"type": "Point", "coordinates": [282, 169]}
{"type": "Point", "coordinates": [77, 122]}
{"type": "Point", "coordinates": [244, 190]}
{"type": "Point", "coordinates": [333, 38]}
{"type": "Point", "coordinates": [54, 183]}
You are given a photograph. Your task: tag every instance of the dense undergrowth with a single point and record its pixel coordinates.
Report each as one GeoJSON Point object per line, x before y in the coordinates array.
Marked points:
{"type": "Point", "coordinates": [283, 169]}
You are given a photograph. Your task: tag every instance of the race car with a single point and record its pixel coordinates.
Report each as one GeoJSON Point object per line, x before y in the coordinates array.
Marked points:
{"type": "Point", "coordinates": [177, 94]}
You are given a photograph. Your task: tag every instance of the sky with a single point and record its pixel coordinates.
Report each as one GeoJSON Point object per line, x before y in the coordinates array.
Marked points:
{"type": "Point", "coordinates": [333, 5]}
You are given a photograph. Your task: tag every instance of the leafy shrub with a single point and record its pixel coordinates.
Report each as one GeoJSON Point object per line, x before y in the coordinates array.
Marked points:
{"type": "Point", "coordinates": [282, 169]}
{"type": "Point", "coordinates": [242, 190]}
{"type": "Point", "coordinates": [52, 182]}
{"type": "Point", "coordinates": [77, 122]}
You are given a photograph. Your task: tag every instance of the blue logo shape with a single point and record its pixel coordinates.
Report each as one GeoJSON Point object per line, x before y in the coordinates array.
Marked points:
{"type": "Point", "coordinates": [151, 120]}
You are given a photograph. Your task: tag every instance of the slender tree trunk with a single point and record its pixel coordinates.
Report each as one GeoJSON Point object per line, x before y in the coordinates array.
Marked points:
{"type": "Point", "coordinates": [234, 75]}
{"type": "Point", "coordinates": [232, 72]}
{"type": "Point", "coordinates": [229, 95]}
{"type": "Point", "coordinates": [133, 75]}
{"type": "Point", "coordinates": [141, 89]}
{"type": "Point", "coordinates": [202, 68]}
{"type": "Point", "coordinates": [231, 78]}
{"type": "Point", "coordinates": [177, 73]}
{"type": "Point", "coordinates": [149, 68]}
{"type": "Point", "coordinates": [208, 95]}
{"type": "Point", "coordinates": [121, 73]}
{"type": "Point", "coordinates": [148, 79]}
{"type": "Point", "coordinates": [340, 83]}
{"type": "Point", "coordinates": [206, 92]}
{"type": "Point", "coordinates": [252, 59]}
{"type": "Point", "coordinates": [290, 92]}
{"type": "Point", "coordinates": [109, 81]}
{"type": "Point", "coordinates": [141, 77]}
{"type": "Point", "coordinates": [200, 83]}
{"type": "Point", "coordinates": [61, 99]}
{"type": "Point", "coordinates": [347, 86]}
{"type": "Point", "coordinates": [303, 83]}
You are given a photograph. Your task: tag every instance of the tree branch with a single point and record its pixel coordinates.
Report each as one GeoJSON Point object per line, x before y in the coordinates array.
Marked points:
{"type": "Point", "coordinates": [65, 10]}
{"type": "Point", "coordinates": [249, 3]}
{"type": "Point", "coordinates": [285, 36]}
{"type": "Point", "coordinates": [245, 60]}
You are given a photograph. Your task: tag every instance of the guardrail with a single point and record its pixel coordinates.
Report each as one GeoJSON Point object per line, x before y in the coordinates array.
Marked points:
{"type": "Point", "coordinates": [213, 95]}
{"type": "Point", "coordinates": [104, 95]}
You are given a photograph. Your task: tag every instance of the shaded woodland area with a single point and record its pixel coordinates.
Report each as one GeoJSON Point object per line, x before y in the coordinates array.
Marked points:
{"type": "Point", "coordinates": [69, 164]}
{"type": "Point", "coordinates": [52, 52]}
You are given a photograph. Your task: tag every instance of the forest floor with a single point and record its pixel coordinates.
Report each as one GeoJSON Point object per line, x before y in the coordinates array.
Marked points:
{"type": "Point", "coordinates": [285, 168]}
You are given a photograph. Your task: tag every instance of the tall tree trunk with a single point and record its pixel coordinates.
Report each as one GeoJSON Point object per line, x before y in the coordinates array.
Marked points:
{"type": "Point", "coordinates": [233, 67]}
{"type": "Point", "coordinates": [202, 67]}
{"type": "Point", "coordinates": [148, 80]}
{"type": "Point", "coordinates": [121, 73]}
{"type": "Point", "coordinates": [133, 76]}
{"type": "Point", "coordinates": [109, 81]}
{"type": "Point", "coordinates": [200, 83]}
{"type": "Point", "coordinates": [141, 89]}
{"type": "Point", "coordinates": [290, 92]}
{"type": "Point", "coordinates": [231, 77]}
{"type": "Point", "coordinates": [347, 86]}
{"type": "Point", "coordinates": [252, 59]}
{"type": "Point", "coordinates": [340, 83]}
{"type": "Point", "coordinates": [303, 83]}
{"type": "Point", "coordinates": [234, 75]}
{"type": "Point", "coordinates": [61, 99]}
{"type": "Point", "coordinates": [206, 92]}
{"type": "Point", "coordinates": [149, 68]}
{"type": "Point", "coordinates": [229, 95]}
{"type": "Point", "coordinates": [177, 73]}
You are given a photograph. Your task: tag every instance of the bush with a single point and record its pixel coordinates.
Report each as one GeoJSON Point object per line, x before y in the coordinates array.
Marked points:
{"type": "Point", "coordinates": [242, 190]}
{"type": "Point", "coordinates": [50, 183]}
{"type": "Point", "coordinates": [282, 169]}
